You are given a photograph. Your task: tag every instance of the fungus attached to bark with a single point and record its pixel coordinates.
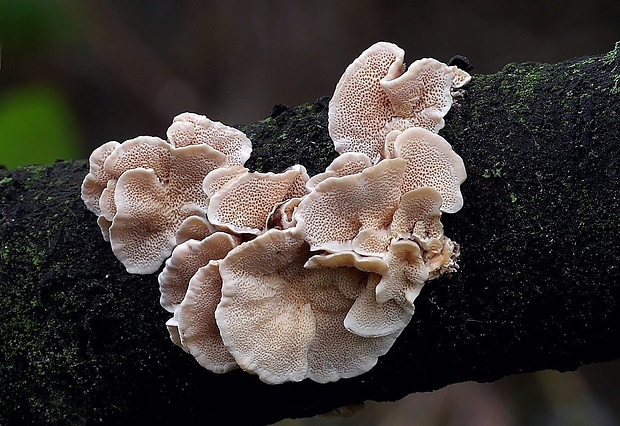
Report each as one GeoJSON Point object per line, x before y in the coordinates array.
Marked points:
{"type": "Point", "coordinates": [340, 207]}
{"type": "Point", "coordinates": [431, 162]}
{"type": "Point", "coordinates": [285, 322]}
{"type": "Point", "coordinates": [151, 206]}
{"type": "Point", "coordinates": [191, 129]}
{"type": "Point", "coordinates": [286, 276]}
{"type": "Point", "coordinates": [243, 204]}
{"type": "Point", "coordinates": [195, 318]}
{"type": "Point", "coordinates": [376, 94]}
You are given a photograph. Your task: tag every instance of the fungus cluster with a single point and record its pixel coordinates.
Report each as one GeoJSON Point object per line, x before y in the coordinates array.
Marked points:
{"type": "Point", "coordinates": [281, 274]}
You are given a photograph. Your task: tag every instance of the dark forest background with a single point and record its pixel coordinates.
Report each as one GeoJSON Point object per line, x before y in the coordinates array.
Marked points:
{"type": "Point", "coordinates": [75, 74]}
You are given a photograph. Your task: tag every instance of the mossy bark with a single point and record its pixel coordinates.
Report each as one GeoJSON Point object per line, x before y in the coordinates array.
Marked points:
{"type": "Point", "coordinates": [83, 342]}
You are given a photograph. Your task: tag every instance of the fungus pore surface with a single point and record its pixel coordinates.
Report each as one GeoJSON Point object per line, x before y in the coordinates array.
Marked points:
{"type": "Point", "coordinates": [287, 276]}
{"type": "Point", "coordinates": [285, 322]}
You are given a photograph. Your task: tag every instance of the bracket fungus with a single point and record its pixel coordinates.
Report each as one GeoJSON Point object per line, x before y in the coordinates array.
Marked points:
{"type": "Point", "coordinates": [195, 318]}
{"type": "Point", "coordinates": [369, 318]}
{"type": "Point", "coordinates": [192, 129]}
{"type": "Point", "coordinates": [243, 204]}
{"type": "Point", "coordinates": [376, 94]}
{"type": "Point", "coordinates": [281, 217]}
{"type": "Point", "coordinates": [195, 227]}
{"type": "Point", "coordinates": [340, 207]}
{"type": "Point", "coordinates": [431, 162]}
{"type": "Point", "coordinates": [285, 322]}
{"type": "Point", "coordinates": [151, 206]}
{"type": "Point", "coordinates": [345, 164]}
{"type": "Point", "coordinates": [287, 276]}
{"type": "Point", "coordinates": [144, 188]}
{"type": "Point", "coordinates": [185, 260]}
{"type": "Point", "coordinates": [96, 182]}
{"type": "Point", "coordinates": [418, 216]}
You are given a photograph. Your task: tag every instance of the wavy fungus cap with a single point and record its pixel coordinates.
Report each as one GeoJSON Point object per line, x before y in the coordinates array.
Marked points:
{"type": "Point", "coordinates": [418, 216]}
{"type": "Point", "coordinates": [339, 208]}
{"type": "Point", "coordinates": [186, 259]}
{"type": "Point", "coordinates": [345, 164]}
{"type": "Point", "coordinates": [421, 96]}
{"type": "Point", "coordinates": [359, 108]}
{"type": "Point", "coordinates": [376, 95]}
{"type": "Point", "coordinates": [284, 322]}
{"type": "Point", "coordinates": [431, 162]}
{"type": "Point", "coordinates": [95, 183]}
{"type": "Point", "coordinates": [243, 204]}
{"type": "Point", "coordinates": [151, 204]}
{"type": "Point", "coordinates": [286, 276]}
{"type": "Point", "coordinates": [369, 318]}
{"type": "Point", "coordinates": [386, 305]}
{"type": "Point", "coordinates": [141, 152]}
{"type": "Point", "coordinates": [197, 330]}
{"type": "Point", "coordinates": [189, 128]}
{"type": "Point", "coordinates": [196, 227]}
{"type": "Point", "coordinates": [109, 162]}
{"type": "Point", "coordinates": [97, 178]}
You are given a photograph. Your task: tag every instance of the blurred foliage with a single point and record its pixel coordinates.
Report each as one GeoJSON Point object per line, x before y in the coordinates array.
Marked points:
{"type": "Point", "coordinates": [37, 125]}
{"type": "Point", "coordinates": [32, 25]}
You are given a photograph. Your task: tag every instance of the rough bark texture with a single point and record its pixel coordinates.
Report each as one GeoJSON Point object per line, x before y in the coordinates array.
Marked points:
{"type": "Point", "coordinates": [83, 342]}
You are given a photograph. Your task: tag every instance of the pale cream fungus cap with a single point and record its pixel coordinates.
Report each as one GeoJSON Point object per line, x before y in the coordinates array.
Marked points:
{"type": "Point", "coordinates": [287, 276]}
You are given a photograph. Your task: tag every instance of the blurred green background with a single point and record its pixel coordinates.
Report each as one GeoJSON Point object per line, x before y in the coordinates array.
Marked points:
{"type": "Point", "coordinates": [76, 73]}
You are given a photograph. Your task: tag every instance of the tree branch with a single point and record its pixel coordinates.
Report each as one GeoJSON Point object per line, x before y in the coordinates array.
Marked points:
{"type": "Point", "coordinates": [83, 342]}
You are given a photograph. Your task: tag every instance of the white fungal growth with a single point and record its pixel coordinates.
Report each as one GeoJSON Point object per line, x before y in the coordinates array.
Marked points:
{"type": "Point", "coordinates": [287, 276]}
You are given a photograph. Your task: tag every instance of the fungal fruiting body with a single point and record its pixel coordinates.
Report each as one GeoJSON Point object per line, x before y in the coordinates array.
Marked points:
{"type": "Point", "coordinates": [287, 276]}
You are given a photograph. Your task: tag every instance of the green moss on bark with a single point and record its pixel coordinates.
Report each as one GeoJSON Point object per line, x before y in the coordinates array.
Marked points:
{"type": "Point", "coordinates": [292, 136]}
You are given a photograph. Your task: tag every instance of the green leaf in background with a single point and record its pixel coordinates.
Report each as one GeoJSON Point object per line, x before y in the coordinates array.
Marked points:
{"type": "Point", "coordinates": [37, 125]}
{"type": "Point", "coordinates": [35, 25]}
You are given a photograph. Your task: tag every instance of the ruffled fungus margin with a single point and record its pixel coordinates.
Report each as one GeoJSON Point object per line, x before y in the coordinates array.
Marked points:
{"type": "Point", "coordinates": [287, 276]}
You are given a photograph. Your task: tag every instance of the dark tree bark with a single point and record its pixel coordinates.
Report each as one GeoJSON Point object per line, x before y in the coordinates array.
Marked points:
{"type": "Point", "coordinates": [83, 342]}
